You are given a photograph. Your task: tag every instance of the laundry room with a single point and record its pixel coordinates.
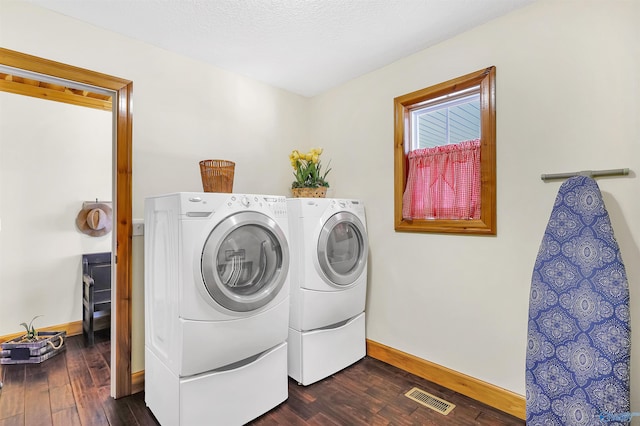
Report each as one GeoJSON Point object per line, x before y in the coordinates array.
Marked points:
{"type": "Point", "coordinates": [452, 304]}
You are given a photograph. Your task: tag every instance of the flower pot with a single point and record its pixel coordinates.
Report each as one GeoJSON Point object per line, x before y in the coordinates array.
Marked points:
{"type": "Point", "coordinates": [319, 192]}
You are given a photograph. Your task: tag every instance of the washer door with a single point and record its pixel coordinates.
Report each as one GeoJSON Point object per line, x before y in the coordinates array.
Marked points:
{"type": "Point", "coordinates": [342, 249]}
{"type": "Point", "coordinates": [245, 261]}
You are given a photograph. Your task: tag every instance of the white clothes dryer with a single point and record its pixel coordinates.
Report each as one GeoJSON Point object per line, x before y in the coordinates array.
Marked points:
{"type": "Point", "coordinates": [329, 249]}
{"type": "Point", "coordinates": [216, 306]}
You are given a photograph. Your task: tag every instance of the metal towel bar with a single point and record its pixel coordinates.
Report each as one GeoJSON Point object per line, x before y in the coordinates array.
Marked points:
{"type": "Point", "coordinates": [590, 173]}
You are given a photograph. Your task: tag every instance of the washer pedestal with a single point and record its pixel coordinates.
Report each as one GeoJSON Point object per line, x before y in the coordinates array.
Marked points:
{"type": "Point", "coordinates": [316, 354]}
{"type": "Point", "coordinates": [233, 395]}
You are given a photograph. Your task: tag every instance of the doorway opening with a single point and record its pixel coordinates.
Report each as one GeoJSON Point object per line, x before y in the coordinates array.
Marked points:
{"type": "Point", "coordinates": [121, 93]}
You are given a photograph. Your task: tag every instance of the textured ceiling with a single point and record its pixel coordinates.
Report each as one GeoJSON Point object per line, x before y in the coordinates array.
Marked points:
{"type": "Point", "coordinates": [304, 46]}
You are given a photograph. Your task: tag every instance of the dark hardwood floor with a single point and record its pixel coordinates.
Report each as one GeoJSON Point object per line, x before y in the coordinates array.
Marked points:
{"type": "Point", "coordinates": [72, 388]}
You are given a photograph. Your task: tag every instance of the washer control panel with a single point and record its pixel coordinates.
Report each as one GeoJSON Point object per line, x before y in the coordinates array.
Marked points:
{"type": "Point", "coordinates": [277, 204]}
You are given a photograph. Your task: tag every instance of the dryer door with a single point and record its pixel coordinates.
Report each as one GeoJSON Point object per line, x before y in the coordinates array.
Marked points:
{"type": "Point", "coordinates": [342, 249]}
{"type": "Point", "coordinates": [245, 261]}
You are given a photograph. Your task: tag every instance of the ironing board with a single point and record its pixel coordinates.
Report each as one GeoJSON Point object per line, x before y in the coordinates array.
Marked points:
{"type": "Point", "coordinates": [579, 340]}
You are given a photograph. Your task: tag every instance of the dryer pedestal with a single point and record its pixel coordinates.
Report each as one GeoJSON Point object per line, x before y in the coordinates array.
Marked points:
{"type": "Point", "coordinates": [233, 395]}
{"type": "Point", "coordinates": [316, 354]}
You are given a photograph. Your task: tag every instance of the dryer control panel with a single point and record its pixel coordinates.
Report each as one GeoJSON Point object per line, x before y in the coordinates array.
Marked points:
{"type": "Point", "coordinates": [356, 206]}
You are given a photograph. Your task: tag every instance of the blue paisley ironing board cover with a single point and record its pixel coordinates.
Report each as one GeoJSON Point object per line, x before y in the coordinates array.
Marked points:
{"type": "Point", "coordinates": [579, 340]}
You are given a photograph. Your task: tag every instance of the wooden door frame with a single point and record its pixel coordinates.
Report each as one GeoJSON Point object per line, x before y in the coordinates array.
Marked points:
{"type": "Point", "coordinates": [123, 115]}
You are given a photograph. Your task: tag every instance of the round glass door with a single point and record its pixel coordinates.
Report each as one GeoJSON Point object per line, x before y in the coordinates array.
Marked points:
{"type": "Point", "coordinates": [245, 261]}
{"type": "Point", "coordinates": [342, 249]}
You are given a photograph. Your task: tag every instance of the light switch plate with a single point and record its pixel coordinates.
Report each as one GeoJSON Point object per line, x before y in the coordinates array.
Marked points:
{"type": "Point", "coordinates": [138, 227]}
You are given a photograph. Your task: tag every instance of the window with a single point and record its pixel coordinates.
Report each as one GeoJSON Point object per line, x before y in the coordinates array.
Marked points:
{"type": "Point", "coordinates": [444, 166]}
{"type": "Point", "coordinates": [445, 121]}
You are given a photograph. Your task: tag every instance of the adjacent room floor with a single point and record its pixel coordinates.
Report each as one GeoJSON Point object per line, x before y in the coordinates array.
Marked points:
{"type": "Point", "coordinates": [72, 388]}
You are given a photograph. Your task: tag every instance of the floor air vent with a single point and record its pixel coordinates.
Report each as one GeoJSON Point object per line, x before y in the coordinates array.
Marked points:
{"type": "Point", "coordinates": [430, 401]}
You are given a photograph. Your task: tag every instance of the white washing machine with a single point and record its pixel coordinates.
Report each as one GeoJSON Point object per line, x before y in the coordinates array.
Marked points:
{"type": "Point", "coordinates": [329, 249]}
{"type": "Point", "coordinates": [216, 307]}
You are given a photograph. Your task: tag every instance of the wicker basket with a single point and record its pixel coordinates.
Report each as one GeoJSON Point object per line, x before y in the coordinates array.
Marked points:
{"type": "Point", "coordinates": [17, 351]}
{"type": "Point", "coordinates": [217, 175]}
{"type": "Point", "coordinates": [319, 192]}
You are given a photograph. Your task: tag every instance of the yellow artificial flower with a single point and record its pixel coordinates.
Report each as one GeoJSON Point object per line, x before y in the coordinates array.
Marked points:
{"type": "Point", "coordinates": [307, 170]}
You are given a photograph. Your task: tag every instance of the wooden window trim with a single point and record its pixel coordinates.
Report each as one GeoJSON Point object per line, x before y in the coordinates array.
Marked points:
{"type": "Point", "coordinates": [486, 225]}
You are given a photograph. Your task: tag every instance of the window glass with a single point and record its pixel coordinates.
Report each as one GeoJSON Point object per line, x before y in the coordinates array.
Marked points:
{"type": "Point", "coordinates": [446, 121]}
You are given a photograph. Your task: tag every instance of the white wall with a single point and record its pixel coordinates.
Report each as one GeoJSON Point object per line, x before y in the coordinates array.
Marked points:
{"type": "Point", "coordinates": [53, 156]}
{"type": "Point", "coordinates": [567, 100]}
{"type": "Point", "coordinates": [184, 112]}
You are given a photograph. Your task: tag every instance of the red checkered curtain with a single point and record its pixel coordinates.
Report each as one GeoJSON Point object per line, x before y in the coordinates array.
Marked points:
{"type": "Point", "coordinates": [443, 182]}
